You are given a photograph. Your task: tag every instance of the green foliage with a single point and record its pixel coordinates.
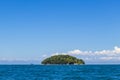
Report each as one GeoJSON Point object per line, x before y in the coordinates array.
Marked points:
{"type": "Point", "coordinates": [62, 59]}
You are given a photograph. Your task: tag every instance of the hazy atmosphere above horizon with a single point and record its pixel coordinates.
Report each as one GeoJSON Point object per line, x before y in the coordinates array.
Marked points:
{"type": "Point", "coordinates": [31, 30]}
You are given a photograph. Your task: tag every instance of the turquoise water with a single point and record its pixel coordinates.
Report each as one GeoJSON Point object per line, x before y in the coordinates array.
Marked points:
{"type": "Point", "coordinates": [60, 72]}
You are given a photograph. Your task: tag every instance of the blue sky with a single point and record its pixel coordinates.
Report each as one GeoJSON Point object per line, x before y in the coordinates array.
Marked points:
{"type": "Point", "coordinates": [33, 29]}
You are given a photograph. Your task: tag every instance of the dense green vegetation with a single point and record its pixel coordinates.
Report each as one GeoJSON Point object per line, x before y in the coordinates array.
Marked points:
{"type": "Point", "coordinates": [62, 59]}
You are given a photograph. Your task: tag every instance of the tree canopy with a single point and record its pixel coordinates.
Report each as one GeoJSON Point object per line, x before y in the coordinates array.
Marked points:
{"type": "Point", "coordinates": [62, 59]}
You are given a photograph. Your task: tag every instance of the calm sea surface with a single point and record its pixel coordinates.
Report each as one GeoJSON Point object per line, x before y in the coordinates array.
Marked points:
{"type": "Point", "coordinates": [59, 72]}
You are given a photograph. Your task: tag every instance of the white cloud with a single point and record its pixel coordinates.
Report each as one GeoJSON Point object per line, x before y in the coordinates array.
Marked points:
{"type": "Point", "coordinates": [103, 55]}
{"type": "Point", "coordinates": [44, 55]}
{"type": "Point", "coordinates": [106, 58]}
{"type": "Point", "coordinates": [75, 52]}
{"type": "Point", "coordinates": [56, 54]}
{"type": "Point", "coordinates": [117, 49]}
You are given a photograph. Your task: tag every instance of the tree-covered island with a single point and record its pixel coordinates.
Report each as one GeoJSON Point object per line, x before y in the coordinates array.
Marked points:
{"type": "Point", "coordinates": [62, 59]}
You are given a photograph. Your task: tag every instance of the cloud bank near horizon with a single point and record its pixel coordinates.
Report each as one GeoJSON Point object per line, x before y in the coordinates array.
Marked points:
{"type": "Point", "coordinates": [101, 56]}
{"type": "Point", "coordinates": [109, 56]}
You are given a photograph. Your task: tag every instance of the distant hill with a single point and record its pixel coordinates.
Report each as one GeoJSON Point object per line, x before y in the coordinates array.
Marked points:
{"type": "Point", "coordinates": [62, 59]}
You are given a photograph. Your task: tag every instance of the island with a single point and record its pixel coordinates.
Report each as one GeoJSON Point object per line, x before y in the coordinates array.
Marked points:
{"type": "Point", "coordinates": [62, 59]}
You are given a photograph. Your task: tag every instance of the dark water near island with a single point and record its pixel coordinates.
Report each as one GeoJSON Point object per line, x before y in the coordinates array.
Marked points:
{"type": "Point", "coordinates": [59, 72]}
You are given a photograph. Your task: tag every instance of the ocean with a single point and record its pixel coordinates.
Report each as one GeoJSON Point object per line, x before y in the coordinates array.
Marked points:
{"type": "Point", "coordinates": [59, 72]}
